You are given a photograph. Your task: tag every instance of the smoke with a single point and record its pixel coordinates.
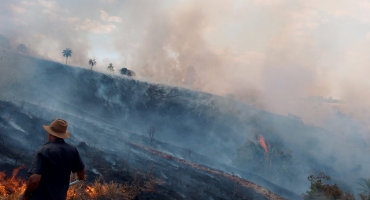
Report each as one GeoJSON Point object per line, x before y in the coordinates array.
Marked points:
{"type": "Point", "coordinates": [42, 27]}
{"type": "Point", "coordinates": [172, 47]}
{"type": "Point", "coordinates": [265, 53]}
{"type": "Point", "coordinates": [272, 54]}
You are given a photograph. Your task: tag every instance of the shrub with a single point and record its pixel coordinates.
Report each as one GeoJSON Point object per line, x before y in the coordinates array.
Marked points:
{"type": "Point", "coordinates": [320, 191]}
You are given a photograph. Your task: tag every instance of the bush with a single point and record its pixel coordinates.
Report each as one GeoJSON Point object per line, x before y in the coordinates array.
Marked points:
{"type": "Point", "coordinates": [22, 48]}
{"type": "Point", "coordinates": [127, 72]}
{"type": "Point", "coordinates": [252, 157]}
{"type": "Point", "coordinates": [320, 191]}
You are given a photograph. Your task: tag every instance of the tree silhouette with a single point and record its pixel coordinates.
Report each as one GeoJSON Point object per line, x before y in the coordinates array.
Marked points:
{"type": "Point", "coordinates": [110, 67]}
{"type": "Point", "coordinates": [365, 189]}
{"type": "Point", "coordinates": [92, 62]}
{"type": "Point", "coordinates": [22, 48]}
{"type": "Point", "coordinates": [127, 72]}
{"type": "Point", "coordinates": [321, 191]}
{"type": "Point", "coordinates": [67, 53]}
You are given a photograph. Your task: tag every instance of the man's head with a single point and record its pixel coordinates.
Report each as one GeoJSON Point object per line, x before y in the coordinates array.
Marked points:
{"type": "Point", "coordinates": [58, 129]}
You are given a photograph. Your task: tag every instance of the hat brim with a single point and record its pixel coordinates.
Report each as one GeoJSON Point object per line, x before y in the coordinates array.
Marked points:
{"type": "Point", "coordinates": [59, 135]}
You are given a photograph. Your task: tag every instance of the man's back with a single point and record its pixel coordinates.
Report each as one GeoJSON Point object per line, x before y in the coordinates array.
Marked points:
{"type": "Point", "coordinates": [54, 162]}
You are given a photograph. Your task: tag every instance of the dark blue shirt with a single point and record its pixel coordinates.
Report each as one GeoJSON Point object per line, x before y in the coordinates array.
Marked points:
{"type": "Point", "coordinates": [55, 161]}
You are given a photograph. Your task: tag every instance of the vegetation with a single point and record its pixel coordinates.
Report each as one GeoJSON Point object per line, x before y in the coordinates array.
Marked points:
{"type": "Point", "coordinates": [22, 48]}
{"type": "Point", "coordinates": [12, 188]}
{"type": "Point", "coordinates": [364, 196]}
{"type": "Point", "coordinates": [67, 53]}
{"type": "Point", "coordinates": [365, 189]}
{"type": "Point", "coordinates": [320, 191]}
{"type": "Point", "coordinates": [92, 62]}
{"type": "Point", "coordinates": [101, 190]}
{"type": "Point", "coordinates": [365, 186]}
{"type": "Point", "coordinates": [110, 67]}
{"type": "Point", "coordinates": [127, 72]}
{"type": "Point", "coordinates": [251, 156]}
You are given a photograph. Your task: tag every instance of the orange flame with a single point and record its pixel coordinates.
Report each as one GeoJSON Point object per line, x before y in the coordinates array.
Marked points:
{"type": "Point", "coordinates": [71, 193]}
{"type": "Point", "coordinates": [94, 192]}
{"type": "Point", "coordinates": [263, 143]}
{"type": "Point", "coordinates": [91, 192]}
{"type": "Point", "coordinates": [12, 188]}
{"type": "Point", "coordinates": [12, 185]}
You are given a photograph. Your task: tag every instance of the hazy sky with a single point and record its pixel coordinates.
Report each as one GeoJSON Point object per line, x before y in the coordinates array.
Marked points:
{"type": "Point", "coordinates": [271, 53]}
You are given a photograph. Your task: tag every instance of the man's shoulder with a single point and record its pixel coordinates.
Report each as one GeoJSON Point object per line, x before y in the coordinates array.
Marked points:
{"type": "Point", "coordinates": [70, 146]}
{"type": "Point", "coordinates": [53, 146]}
{"type": "Point", "coordinates": [44, 147]}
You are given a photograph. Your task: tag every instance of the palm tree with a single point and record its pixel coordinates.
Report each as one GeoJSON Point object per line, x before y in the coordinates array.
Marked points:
{"type": "Point", "coordinates": [92, 62]}
{"type": "Point", "coordinates": [110, 67]}
{"type": "Point", "coordinates": [365, 186]}
{"type": "Point", "coordinates": [67, 53]}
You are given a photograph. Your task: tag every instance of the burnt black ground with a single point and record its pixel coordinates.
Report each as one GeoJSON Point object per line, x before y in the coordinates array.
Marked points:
{"type": "Point", "coordinates": [174, 180]}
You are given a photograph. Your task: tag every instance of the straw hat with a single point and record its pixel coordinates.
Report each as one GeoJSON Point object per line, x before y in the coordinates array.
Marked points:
{"type": "Point", "coordinates": [58, 128]}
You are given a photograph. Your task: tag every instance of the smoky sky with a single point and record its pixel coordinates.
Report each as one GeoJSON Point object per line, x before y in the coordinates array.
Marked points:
{"type": "Point", "coordinates": [272, 54]}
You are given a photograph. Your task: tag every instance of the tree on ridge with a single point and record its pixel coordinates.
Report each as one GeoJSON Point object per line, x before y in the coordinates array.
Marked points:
{"type": "Point", "coordinates": [67, 53]}
{"type": "Point", "coordinates": [110, 67]}
{"type": "Point", "coordinates": [127, 72]}
{"type": "Point", "coordinates": [22, 48]}
{"type": "Point", "coordinates": [92, 62]}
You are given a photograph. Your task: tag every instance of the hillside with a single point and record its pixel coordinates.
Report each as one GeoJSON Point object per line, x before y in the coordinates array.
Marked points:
{"type": "Point", "coordinates": [112, 113]}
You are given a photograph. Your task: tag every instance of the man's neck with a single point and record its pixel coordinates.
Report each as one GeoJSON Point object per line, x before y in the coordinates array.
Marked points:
{"type": "Point", "coordinates": [55, 139]}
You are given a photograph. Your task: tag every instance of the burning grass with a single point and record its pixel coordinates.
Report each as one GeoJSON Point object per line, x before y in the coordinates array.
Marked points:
{"type": "Point", "coordinates": [11, 188]}
{"type": "Point", "coordinates": [100, 190]}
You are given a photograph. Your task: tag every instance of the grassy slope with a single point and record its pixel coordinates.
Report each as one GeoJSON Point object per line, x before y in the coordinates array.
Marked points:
{"type": "Point", "coordinates": [203, 123]}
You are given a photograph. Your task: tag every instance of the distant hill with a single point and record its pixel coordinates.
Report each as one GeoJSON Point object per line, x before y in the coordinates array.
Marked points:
{"type": "Point", "coordinates": [218, 128]}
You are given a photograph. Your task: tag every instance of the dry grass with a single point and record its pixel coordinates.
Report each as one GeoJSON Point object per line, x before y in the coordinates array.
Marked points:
{"type": "Point", "coordinates": [11, 189]}
{"type": "Point", "coordinates": [100, 190]}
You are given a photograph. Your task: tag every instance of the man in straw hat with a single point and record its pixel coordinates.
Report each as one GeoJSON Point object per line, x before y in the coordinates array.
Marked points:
{"type": "Point", "coordinates": [51, 167]}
